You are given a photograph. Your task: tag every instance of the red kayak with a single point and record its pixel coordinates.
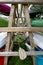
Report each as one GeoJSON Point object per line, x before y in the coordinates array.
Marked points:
{"type": "Point", "coordinates": [4, 8]}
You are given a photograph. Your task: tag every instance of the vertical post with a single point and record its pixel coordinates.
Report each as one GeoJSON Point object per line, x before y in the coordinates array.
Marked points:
{"type": "Point", "coordinates": [14, 16]}
{"type": "Point", "coordinates": [9, 34]}
{"type": "Point", "coordinates": [30, 33]}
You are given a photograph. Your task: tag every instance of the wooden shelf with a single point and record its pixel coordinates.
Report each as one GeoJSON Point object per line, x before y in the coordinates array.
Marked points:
{"type": "Point", "coordinates": [22, 1]}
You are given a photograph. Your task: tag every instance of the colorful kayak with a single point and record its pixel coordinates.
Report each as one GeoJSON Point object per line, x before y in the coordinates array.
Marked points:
{"type": "Point", "coordinates": [37, 23]}
{"type": "Point", "coordinates": [4, 8]}
{"type": "Point", "coordinates": [3, 22]}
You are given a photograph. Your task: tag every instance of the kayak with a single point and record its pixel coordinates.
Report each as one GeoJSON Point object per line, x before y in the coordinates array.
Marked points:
{"type": "Point", "coordinates": [38, 40]}
{"type": "Point", "coordinates": [3, 36]}
{"type": "Point", "coordinates": [4, 8]}
{"type": "Point", "coordinates": [37, 23]}
{"type": "Point", "coordinates": [3, 22]}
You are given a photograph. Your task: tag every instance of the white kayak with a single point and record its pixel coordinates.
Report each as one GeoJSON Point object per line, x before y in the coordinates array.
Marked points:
{"type": "Point", "coordinates": [38, 40]}
{"type": "Point", "coordinates": [3, 36]}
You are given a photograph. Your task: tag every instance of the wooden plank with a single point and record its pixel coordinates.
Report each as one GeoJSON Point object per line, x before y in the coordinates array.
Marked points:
{"type": "Point", "coordinates": [27, 15]}
{"type": "Point", "coordinates": [22, 1]}
{"type": "Point", "coordinates": [29, 53]}
{"type": "Point", "coordinates": [21, 29]}
{"type": "Point", "coordinates": [14, 15]}
{"type": "Point", "coordinates": [32, 46]}
{"type": "Point", "coordinates": [30, 33]}
{"type": "Point", "coordinates": [9, 34]}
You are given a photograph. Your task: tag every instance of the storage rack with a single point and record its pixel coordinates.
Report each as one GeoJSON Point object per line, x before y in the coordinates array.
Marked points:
{"type": "Point", "coordinates": [11, 29]}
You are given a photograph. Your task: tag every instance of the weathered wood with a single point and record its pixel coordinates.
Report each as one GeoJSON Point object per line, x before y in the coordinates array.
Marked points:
{"type": "Point", "coordinates": [29, 53]}
{"type": "Point", "coordinates": [30, 33]}
{"type": "Point", "coordinates": [27, 15]}
{"type": "Point", "coordinates": [9, 34]}
{"type": "Point", "coordinates": [11, 46]}
{"type": "Point", "coordinates": [21, 29]}
{"type": "Point", "coordinates": [22, 1]}
{"type": "Point", "coordinates": [13, 21]}
{"type": "Point", "coordinates": [32, 46]}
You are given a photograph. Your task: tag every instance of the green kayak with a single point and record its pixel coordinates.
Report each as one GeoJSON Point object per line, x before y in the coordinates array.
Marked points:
{"type": "Point", "coordinates": [3, 22]}
{"type": "Point", "coordinates": [37, 23]}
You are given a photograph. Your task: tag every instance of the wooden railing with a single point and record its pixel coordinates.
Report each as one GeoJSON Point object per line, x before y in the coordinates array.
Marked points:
{"type": "Point", "coordinates": [22, 1]}
{"type": "Point", "coordinates": [11, 29]}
